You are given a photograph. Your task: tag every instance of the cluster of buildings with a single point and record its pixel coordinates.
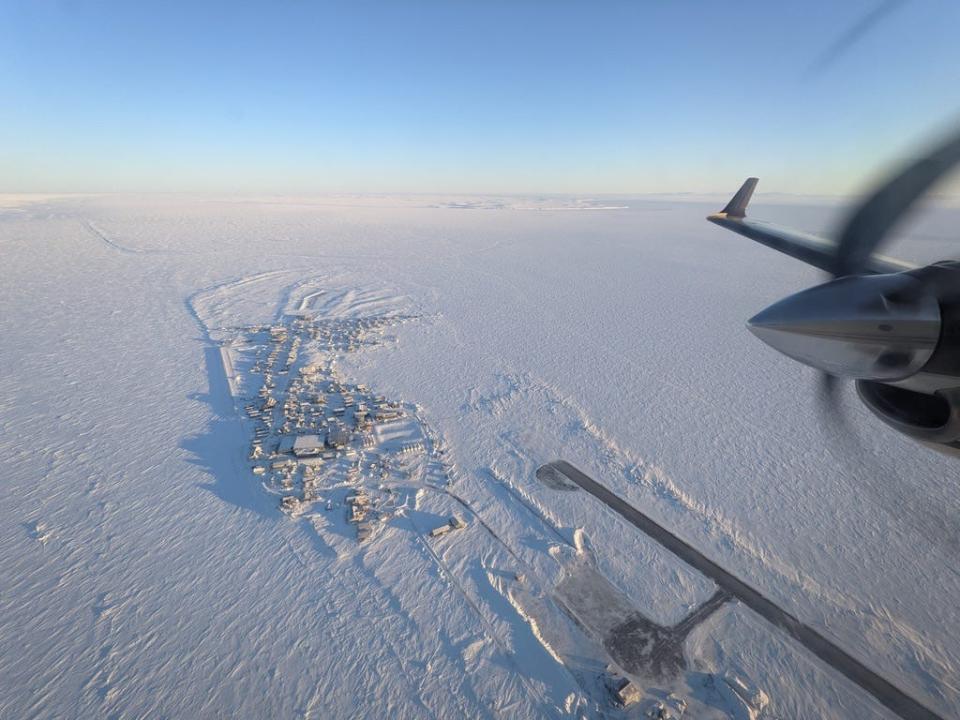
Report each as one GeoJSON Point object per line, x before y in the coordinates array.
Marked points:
{"type": "Point", "coordinates": [309, 424]}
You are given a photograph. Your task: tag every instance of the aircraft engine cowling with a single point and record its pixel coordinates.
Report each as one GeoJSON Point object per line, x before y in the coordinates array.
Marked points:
{"type": "Point", "coordinates": [926, 406]}
{"type": "Point", "coordinates": [928, 417]}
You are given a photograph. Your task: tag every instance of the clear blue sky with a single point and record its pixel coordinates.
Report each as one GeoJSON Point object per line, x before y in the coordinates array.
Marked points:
{"type": "Point", "coordinates": [291, 96]}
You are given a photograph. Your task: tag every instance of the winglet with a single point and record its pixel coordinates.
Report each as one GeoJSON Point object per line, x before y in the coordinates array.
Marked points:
{"type": "Point", "coordinates": [737, 207]}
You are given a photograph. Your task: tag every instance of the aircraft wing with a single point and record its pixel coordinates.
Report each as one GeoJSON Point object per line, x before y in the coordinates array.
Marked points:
{"type": "Point", "coordinates": [811, 249]}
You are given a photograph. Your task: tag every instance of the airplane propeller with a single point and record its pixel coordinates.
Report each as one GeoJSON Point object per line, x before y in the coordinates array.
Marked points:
{"type": "Point", "coordinates": [862, 324]}
{"type": "Point", "coordinates": [891, 326]}
{"type": "Point", "coordinates": [870, 226]}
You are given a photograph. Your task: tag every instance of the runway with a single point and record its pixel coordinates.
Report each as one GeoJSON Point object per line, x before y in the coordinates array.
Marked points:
{"type": "Point", "coordinates": [883, 690]}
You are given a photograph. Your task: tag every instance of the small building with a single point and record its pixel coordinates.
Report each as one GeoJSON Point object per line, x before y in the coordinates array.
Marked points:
{"type": "Point", "coordinates": [337, 436]}
{"type": "Point", "coordinates": [442, 530]}
{"type": "Point", "coordinates": [290, 504]}
{"type": "Point", "coordinates": [307, 445]}
{"type": "Point", "coordinates": [360, 499]}
{"type": "Point", "coordinates": [671, 708]}
{"type": "Point", "coordinates": [454, 523]}
{"type": "Point", "coordinates": [359, 505]}
{"type": "Point", "coordinates": [625, 692]}
{"type": "Point", "coordinates": [411, 447]}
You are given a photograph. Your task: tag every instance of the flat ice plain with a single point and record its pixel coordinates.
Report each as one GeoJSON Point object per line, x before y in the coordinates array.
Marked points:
{"type": "Point", "coordinates": [145, 571]}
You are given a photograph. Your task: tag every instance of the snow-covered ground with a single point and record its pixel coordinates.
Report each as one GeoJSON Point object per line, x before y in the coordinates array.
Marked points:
{"type": "Point", "coordinates": [145, 570]}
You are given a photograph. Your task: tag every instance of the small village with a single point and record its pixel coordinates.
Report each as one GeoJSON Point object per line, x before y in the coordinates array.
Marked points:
{"type": "Point", "coordinates": [313, 433]}
{"type": "Point", "coordinates": [324, 445]}
{"type": "Point", "coordinates": [321, 444]}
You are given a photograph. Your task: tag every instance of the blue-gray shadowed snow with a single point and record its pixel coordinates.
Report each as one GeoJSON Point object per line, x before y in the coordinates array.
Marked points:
{"type": "Point", "coordinates": [211, 449]}
{"type": "Point", "coordinates": [148, 570]}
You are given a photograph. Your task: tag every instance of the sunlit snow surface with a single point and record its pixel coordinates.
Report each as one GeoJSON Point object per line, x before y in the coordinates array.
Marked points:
{"type": "Point", "coordinates": [145, 570]}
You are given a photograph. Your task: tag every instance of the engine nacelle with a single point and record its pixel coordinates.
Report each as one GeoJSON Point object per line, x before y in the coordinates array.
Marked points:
{"type": "Point", "coordinates": [926, 406]}
{"type": "Point", "coordinates": [927, 417]}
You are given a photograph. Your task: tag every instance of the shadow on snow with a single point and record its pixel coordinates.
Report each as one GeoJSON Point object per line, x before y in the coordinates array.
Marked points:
{"type": "Point", "coordinates": [220, 449]}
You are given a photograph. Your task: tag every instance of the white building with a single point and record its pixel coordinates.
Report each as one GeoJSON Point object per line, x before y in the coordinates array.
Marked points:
{"type": "Point", "coordinates": [307, 445]}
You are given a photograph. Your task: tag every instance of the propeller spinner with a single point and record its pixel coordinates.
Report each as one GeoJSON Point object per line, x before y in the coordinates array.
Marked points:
{"type": "Point", "coordinates": [893, 328]}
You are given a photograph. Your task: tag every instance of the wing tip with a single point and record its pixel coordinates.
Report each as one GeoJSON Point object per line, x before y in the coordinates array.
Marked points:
{"type": "Point", "coordinates": [737, 207]}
